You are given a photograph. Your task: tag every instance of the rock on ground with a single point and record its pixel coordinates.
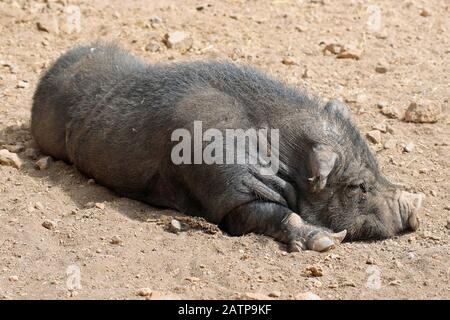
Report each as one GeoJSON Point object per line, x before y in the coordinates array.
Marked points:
{"type": "Point", "coordinates": [178, 40]}
{"type": "Point", "coordinates": [8, 158]}
{"type": "Point", "coordinates": [423, 112]}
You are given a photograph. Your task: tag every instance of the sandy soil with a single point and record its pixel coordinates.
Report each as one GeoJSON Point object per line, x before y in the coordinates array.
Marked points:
{"type": "Point", "coordinates": [121, 246]}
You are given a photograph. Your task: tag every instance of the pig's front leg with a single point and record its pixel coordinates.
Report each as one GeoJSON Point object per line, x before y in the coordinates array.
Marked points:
{"type": "Point", "coordinates": [279, 222]}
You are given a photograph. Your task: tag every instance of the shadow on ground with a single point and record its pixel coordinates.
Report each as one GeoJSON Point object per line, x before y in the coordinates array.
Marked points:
{"type": "Point", "coordinates": [82, 191]}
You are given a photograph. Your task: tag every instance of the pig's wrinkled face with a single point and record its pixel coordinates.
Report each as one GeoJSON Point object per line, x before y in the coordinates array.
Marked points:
{"type": "Point", "coordinates": [357, 198]}
{"type": "Point", "coordinates": [369, 207]}
{"type": "Point", "coordinates": [345, 189]}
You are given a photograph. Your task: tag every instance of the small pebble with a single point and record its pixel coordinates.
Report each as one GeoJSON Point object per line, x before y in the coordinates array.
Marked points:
{"type": "Point", "coordinates": [22, 84]}
{"type": "Point", "coordinates": [423, 112]}
{"type": "Point", "coordinates": [178, 40]}
{"type": "Point", "coordinates": [43, 163]}
{"type": "Point", "coordinates": [39, 206]}
{"type": "Point", "coordinates": [382, 127]}
{"type": "Point", "coordinates": [275, 294]}
{"type": "Point", "coordinates": [409, 147]}
{"type": "Point", "coordinates": [48, 24]}
{"type": "Point", "coordinates": [424, 13]}
{"type": "Point", "coordinates": [315, 271]}
{"type": "Point", "coordinates": [288, 61]}
{"type": "Point", "coordinates": [48, 224]}
{"type": "Point", "coordinates": [115, 240]}
{"type": "Point", "coordinates": [374, 136]}
{"type": "Point", "coordinates": [391, 112]}
{"type": "Point", "coordinates": [395, 282]}
{"type": "Point", "coordinates": [192, 279]}
{"type": "Point", "coordinates": [144, 292]}
{"type": "Point", "coordinates": [175, 226]}
{"type": "Point", "coordinates": [8, 158]}
{"type": "Point", "coordinates": [13, 278]}
{"type": "Point", "coordinates": [100, 205]}
{"type": "Point", "coordinates": [381, 69]}
{"type": "Point", "coordinates": [349, 54]}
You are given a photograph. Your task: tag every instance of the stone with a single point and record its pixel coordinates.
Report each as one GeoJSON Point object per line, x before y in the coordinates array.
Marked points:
{"type": "Point", "coordinates": [99, 205]}
{"type": "Point", "coordinates": [156, 20]}
{"type": "Point", "coordinates": [424, 13]}
{"type": "Point", "coordinates": [48, 24]}
{"type": "Point", "coordinates": [409, 147]}
{"type": "Point", "coordinates": [288, 61]}
{"type": "Point", "coordinates": [423, 112]}
{"type": "Point", "coordinates": [315, 271]}
{"type": "Point", "coordinates": [193, 279]}
{"type": "Point", "coordinates": [333, 48]}
{"type": "Point", "coordinates": [39, 206]}
{"type": "Point", "coordinates": [371, 261]}
{"type": "Point", "coordinates": [275, 294]}
{"type": "Point", "coordinates": [22, 84]}
{"type": "Point", "coordinates": [144, 292]}
{"type": "Point", "coordinates": [115, 240]}
{"type": "Point", "coordinates": [8, 158]}
{"type": "Point", "coordinates": [382, 127]}
{"type": "Point", "coordinates": [178, 40]}
{"type": "Point", "coordinates": [13, 278]}
{"type": "Point", "coordinates": [49, 224]}
{"type": "Point", "coordinates": [13, 69]}
{"type": "Point", "coordinates": [391, 112]}
{"type": "Point", "coordinates": [381, 69]}
{"type": "Point", "coordinates": [349, 52]}
{"type": "Point", "coordinates": [44, 163]}
{"type": "Point", "coordinates": [175, 226]}
{"type": "Point", "coordinates": [374, 136]}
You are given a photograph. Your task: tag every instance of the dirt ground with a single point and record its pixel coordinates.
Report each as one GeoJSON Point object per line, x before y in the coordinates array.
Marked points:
{"type": "Point", "coordinates": [120, 246]}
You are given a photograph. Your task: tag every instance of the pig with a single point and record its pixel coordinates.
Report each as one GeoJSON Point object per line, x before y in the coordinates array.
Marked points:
{"type": "Point", "coordinates": [113, 115]}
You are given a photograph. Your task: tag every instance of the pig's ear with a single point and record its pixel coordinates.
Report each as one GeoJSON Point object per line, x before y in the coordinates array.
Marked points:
{"type": "Point", "coordinates": [321, 161]}
{"type": "Point", "coordinates": [336, 106]}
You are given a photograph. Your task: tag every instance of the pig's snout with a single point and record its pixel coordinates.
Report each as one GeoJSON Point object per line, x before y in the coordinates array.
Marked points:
{"type": "Point", "coordinates": [410, 204]}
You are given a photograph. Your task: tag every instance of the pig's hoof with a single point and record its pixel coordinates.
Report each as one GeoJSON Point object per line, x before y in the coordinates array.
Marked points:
{"type": "Point", "coordinates": [324, 241]}
{"type": "Point", "coordinates": [296, 246]}
{"type": "Point", "coordinates": [320, 244]}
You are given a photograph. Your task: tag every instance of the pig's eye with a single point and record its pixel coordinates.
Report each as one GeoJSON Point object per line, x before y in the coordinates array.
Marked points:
{"type": "Point", "coordinates": [352, 188]}
{"type": "Point", "coordinates": [356, 188]}
{"type": "Point", "coordinates": [363, 187]}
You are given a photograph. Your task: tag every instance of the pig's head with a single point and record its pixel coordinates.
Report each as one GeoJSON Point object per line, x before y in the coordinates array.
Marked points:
{"type": "Point", "coordinates": [346, 190]}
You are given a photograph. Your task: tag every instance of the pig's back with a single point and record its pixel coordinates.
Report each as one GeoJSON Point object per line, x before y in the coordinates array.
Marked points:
{"type": "Point", "coordinates": [112, 115]}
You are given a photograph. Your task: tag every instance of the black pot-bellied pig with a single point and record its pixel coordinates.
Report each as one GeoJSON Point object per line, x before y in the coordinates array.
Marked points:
{"type": "Point", "coordinates": [135, 128]}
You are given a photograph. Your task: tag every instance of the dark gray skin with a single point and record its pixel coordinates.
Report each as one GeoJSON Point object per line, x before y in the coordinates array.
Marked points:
{"type": "Point", "coordinates": [112, 116]}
